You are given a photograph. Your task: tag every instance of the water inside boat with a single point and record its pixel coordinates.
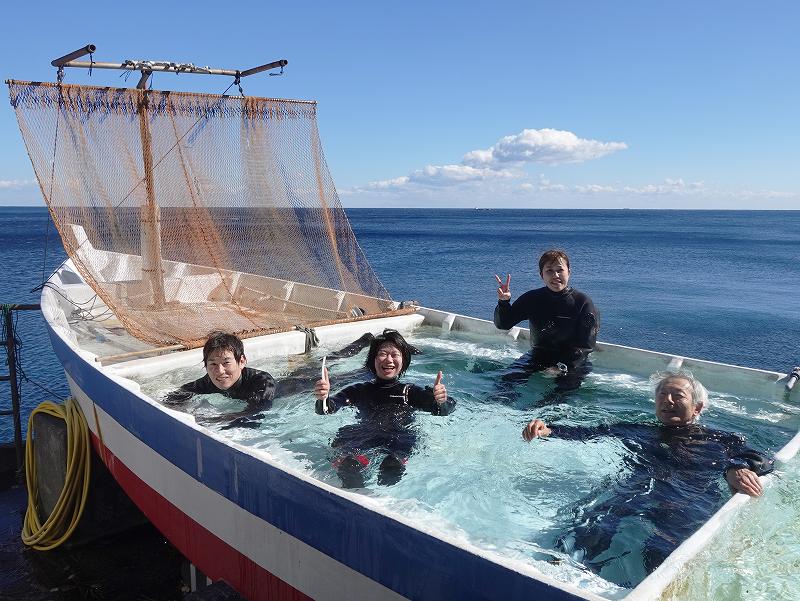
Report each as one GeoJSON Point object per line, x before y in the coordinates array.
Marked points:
{"type": "Point", "coordinates": [471, 475]}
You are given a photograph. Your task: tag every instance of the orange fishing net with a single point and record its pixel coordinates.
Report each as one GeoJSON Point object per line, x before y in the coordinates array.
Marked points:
{"type": "Point", "coordinates": [189, 213]}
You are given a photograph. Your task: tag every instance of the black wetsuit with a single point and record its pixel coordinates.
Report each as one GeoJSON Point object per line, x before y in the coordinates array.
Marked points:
{"type": "Point", "coordinates": [254, 386]}
{"type": "Point", "coordinates": [673, 487]}
{"type": "Point", "coordinates": [563, 328]}
{"type": "Point", "coordinates": [386, 415]}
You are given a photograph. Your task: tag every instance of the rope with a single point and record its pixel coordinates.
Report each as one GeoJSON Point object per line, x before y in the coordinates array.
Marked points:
{"type": "Point", "coordinates": [22, 375]}
{"type": "Point", "coordinates": [72, 500]}
{"type": "Point", "coordinates": [237, 81]}
{"type": "Point", "coordinates": [311, 337]}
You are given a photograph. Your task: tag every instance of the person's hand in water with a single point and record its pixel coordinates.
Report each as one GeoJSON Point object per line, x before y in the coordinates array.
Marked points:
{"type": "Point", "coordinates": [554, 371]}
{"type": "Point", "coordinates": [503, 290]}
{"type": "Point", "coordinates": [323, 386]}
{"type": "Point", "coordinates": [439, 391]}
{"type": "Point", "coordinates": [535, 429]}
{"type": "Point", "coordinates": [745, 481]}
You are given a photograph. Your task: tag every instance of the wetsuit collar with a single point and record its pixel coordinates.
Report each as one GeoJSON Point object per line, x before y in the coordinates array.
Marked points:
{"type": "Point", "coordinates": [566, 291]}
{"type": "Point", "coordinates": [233, 389]}
{"type": "Point", "coordinates": [675, 427]}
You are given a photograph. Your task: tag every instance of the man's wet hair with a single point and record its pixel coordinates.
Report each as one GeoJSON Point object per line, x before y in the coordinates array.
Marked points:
{"type": "Point", "coordinates": [552, 256]}
{"type": "Point", "coordinates": [699, 392]}
{"type": "Point", "coordinates": [389, 336]}
{"type": "Point", "coordinates": [222, 341]}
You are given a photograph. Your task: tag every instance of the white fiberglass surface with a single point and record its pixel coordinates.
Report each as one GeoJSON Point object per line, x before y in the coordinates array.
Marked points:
{"type": "Point", "coordinates": [748, 558]}
{"type": "Point", "coordinates": [471, 476]}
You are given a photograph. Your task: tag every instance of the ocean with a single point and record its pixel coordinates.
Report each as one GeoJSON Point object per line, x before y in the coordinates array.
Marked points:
{"type": "Point", "coordinates": [717, 285]}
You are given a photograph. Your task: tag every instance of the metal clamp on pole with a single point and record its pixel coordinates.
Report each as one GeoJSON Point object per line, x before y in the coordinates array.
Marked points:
{"type": "Point", "coordinates": [142, 85]}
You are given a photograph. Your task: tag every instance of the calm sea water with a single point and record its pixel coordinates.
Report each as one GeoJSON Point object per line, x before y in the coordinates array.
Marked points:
{"type": "Point", "coordinates": [715, 285]}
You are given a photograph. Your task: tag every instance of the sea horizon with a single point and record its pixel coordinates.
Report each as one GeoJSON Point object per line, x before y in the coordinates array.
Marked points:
{"type": "Point", "coordinates": [595, 209]}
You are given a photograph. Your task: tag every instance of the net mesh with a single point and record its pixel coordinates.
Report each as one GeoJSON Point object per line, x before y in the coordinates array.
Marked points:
{"type": "Point", "coordinates": [189, 213]}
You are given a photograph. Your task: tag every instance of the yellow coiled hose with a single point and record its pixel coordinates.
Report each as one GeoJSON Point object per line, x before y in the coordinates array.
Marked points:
{"type": "Point", "coordinates": [69, 507]}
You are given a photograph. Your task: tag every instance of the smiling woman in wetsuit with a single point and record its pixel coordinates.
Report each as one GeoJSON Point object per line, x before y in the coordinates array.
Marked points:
{"type": "Point", "coordinates": [563, 324]}
{"type": "Point", "coordinates": [385, 411]}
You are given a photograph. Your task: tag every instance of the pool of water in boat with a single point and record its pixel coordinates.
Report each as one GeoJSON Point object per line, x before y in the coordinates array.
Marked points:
{"type": "Point", "coordinates": [472, 476]}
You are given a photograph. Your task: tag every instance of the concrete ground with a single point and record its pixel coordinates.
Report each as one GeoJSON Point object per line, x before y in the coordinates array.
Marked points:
{"type": "Point", "coordinates": [135, 565]}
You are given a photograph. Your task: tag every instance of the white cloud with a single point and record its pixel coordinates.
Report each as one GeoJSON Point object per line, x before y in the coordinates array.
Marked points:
{"type": "Point", "coordinates": [15, 183]}
{"type": "Point", "coordinates": [547, 146]}
{"type": "Point", "coordinates": [439, 176]}
{"type": "Point", "coordinates": [670, 186]}
{"type": "Point", "coordinates": [455, 174]}
{"type": "Point", "coordinates": [545, 185]}
{"type": "Point", "coordinates": [765, 195]}
{"type": "Point", "coordinates": [594, 189]}
{"type": "Point", "coordinates": [503, 160]}
{"type": "Point", "coordinates": [500, 176]}
{"type": "Point", "coordinates": [397, 182]}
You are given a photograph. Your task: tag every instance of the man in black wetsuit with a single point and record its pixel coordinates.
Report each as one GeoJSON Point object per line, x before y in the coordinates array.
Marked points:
{"type": "Point", "coordinates": [563, 325]}
{"type": "Point", "coordinates": [227, 374]}
{"type": "Point", "coordinates": [674, 482]}
{"type": "Point", "coordinates": [385, 411]}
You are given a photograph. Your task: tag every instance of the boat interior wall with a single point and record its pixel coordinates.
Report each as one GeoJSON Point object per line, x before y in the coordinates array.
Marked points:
{"type": "Point", "coordinates": [187, 284]}
{"type": "Point", "coordinates": [453, 321]}
{"type": "Point", "coordinates": [617, 358]}
{"type": "Point", "coordinates": [274, 345]}
{"type": "Point", "coordinates": [82, 318]}
{"type": "Point", "coordinates": [54, 313]}
{"type": "Point", "coordinates": [790, 450]}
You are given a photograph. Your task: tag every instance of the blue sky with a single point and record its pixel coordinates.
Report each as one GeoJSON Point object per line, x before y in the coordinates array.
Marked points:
{"type": "Point", "coordinates": [461, 104]}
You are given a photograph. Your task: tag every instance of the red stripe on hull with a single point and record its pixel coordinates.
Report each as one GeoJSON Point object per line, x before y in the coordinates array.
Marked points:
{"type": "Point", "coordinates": [213, 556]}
